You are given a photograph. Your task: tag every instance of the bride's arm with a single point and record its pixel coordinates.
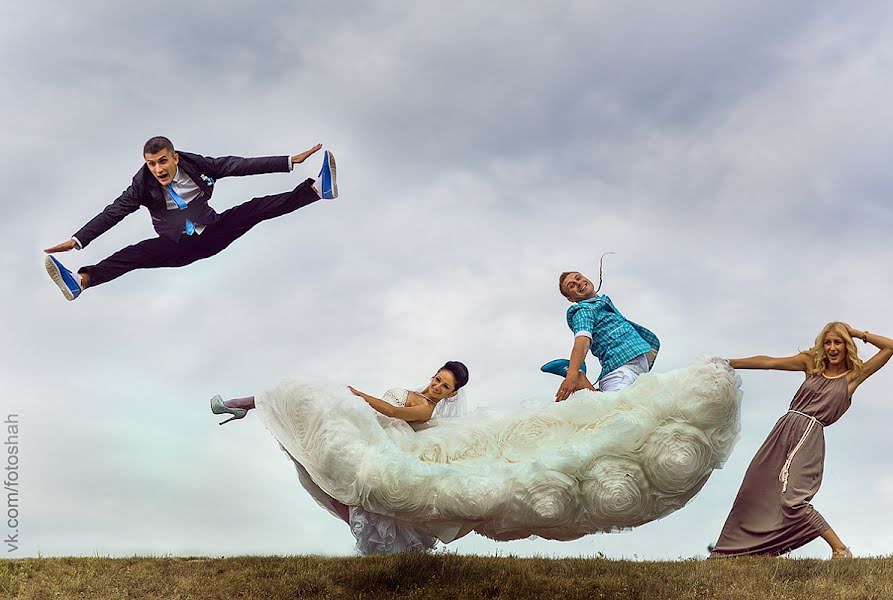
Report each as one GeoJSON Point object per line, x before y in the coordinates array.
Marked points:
{"type": "Point", "coordinates": [406, 413]}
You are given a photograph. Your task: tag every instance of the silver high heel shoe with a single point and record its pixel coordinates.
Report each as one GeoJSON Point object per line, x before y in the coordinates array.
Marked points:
{"type": "Point", "coordinates": [219, 408]}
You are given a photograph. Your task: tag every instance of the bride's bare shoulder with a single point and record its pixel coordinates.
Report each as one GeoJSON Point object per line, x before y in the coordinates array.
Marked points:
{"type": "Point", "coordinates": [415, 399]}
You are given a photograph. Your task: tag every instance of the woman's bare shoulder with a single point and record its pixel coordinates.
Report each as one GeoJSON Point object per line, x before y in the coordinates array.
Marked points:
{"type": "Point", "coordinates": [416, 399]}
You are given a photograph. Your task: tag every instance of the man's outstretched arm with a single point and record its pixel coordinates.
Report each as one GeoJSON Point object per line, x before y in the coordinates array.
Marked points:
{"type": "Point", "coordinates": [237, 166]}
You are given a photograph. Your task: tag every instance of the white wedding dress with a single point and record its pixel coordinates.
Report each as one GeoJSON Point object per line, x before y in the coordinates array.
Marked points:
{"type": "Point", "coordinates": [597, 462]}
{"type": "Point", "coordinates": [377, 533]}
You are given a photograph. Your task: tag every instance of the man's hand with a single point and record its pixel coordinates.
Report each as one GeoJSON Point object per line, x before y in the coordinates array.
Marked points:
{"type": "Point", "coordinates": [302, 156]}
{"type": "Point", "coordinates": [63, 247]}
{"type": "Point", "coordinates": [568, 387]}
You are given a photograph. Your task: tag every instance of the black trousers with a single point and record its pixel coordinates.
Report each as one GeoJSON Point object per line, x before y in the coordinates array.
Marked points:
{"type": "Point", "coordinates": [233, 224]}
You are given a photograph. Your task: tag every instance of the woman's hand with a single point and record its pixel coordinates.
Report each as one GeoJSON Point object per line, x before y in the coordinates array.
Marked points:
{"type": "Point", "coordinates": [369, 399]}
{"type": "Point", "coordinates": [855, 333]}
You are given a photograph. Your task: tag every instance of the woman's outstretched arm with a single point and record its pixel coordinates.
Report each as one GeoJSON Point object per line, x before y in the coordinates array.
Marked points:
{"type": "Point", "coordinates": [797, 362]}
{"type": "Point", "coordinates": [407, 413]}
{"type": "Point", "coordinates": [885, 346]}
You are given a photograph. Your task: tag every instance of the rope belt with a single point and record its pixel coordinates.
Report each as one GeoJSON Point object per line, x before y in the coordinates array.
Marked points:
{"type": "Point", "coordinates": [785, 470]}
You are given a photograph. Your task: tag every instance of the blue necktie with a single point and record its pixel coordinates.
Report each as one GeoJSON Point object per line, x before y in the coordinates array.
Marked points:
{"type": "Point", "coordinates": [190, 226]}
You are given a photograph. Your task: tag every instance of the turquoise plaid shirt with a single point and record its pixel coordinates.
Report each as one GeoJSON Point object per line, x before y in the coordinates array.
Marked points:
{"type": "Point", "coordinates": [615, 340]}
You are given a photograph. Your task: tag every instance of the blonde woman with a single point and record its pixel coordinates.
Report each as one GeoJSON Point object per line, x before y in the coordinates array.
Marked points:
{"type": "Point", "coordinates": [772, 513]}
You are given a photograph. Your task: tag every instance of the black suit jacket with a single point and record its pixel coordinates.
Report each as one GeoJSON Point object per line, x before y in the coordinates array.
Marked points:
{"type": "Point", "coordinates": [145, 190]}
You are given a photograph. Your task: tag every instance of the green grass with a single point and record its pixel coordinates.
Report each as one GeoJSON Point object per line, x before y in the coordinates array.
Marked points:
{"type": "Point", "coordinates": [443, 575]}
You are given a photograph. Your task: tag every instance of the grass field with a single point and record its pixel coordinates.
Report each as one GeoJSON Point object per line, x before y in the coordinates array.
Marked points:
{"type": "Point", "coordinates": [442, 575]}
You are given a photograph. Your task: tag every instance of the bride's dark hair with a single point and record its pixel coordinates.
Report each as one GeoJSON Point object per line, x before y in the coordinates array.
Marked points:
{"type": "Point", "coordinates": [459, 371]}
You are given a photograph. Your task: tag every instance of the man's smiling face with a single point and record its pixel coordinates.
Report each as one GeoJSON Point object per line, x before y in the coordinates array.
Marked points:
{"type": "Point", "coordinates": [576, 287]}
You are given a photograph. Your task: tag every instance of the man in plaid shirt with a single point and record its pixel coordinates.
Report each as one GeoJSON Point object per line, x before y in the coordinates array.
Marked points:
{"type": "Point", "coordinates": [624, 349]}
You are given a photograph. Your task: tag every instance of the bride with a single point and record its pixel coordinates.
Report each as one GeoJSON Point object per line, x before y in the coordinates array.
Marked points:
{"type": "Point", "coordinates": [375, 533]}
{"type": "Point", "coordinates": [596, 462]}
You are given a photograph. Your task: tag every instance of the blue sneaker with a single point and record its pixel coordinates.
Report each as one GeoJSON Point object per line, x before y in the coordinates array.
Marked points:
{"type": "Point", "coordinates": [327, 184]}
{"type": "Point", "coordinates": [559, 367]}
{"type": "Point", "coordinates": [68, 282]}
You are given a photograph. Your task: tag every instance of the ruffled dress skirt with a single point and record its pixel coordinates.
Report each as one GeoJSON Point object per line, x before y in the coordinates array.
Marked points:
{"type": "Point", "coordinates": [597, 462]}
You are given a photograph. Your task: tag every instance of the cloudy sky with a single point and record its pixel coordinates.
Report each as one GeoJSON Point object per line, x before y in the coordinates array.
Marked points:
{"type": "Point", "coordinates": [735, 156]}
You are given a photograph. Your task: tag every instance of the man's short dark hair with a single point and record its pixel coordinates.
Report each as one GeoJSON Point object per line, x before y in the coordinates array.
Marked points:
{"type": "Point", "coordinates": [157, 144]}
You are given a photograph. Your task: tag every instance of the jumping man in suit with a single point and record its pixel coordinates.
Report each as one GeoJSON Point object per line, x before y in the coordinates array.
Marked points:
{"type": "Point", "coordinates": [176, 187]}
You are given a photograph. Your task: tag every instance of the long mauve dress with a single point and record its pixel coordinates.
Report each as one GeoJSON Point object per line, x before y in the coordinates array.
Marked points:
{"type": "Point", "coordinates": [772, 514]}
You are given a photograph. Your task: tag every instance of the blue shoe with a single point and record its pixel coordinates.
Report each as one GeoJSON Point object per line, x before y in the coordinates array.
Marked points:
{"type": "Point", "coordinates": [68, 282]}
{"type": "Point", "coordinates": [327, 184]}
{"type": "Point", "coordinates": [559, 367]}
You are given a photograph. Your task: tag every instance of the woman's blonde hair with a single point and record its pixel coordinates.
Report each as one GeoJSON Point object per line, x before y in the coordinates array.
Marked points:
{"type": "Point", "coordinates": [853, 362]}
